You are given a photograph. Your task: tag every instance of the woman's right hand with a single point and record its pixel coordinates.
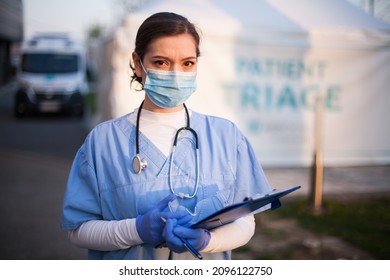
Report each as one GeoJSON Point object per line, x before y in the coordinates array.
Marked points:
{"type": "Point", "coordinates": [150, 225]}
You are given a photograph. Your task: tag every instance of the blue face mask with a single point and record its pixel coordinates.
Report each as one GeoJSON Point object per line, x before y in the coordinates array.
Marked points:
{"type": "Point", "coordinates": [169, 89]}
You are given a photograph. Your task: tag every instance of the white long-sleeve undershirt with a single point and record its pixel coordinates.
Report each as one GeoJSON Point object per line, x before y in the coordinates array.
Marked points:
{"type": "Point", "coordinates": [113, 235]}
{"type": "Point", "coordinates": [106, 235]}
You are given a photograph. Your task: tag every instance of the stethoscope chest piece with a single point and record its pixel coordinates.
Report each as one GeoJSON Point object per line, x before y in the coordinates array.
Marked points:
{"type": "Point", "coordinates": [139, 164]}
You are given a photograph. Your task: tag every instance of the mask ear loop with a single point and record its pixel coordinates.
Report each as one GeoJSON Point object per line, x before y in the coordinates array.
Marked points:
{"type": "Point", "coordinates": [143, 67]}
{"type": "Point", "coordinates": [146, 72]}
{"type": "Point", "coordinates": [139, 79]}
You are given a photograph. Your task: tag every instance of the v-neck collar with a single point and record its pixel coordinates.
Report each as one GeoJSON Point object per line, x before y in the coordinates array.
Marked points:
{"type": "Point", "coordinates": [153, 155]}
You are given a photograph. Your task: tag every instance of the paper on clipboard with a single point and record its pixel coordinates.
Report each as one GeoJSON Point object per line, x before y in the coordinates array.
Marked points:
{"type": "Point", "coordinates": [251, 205]}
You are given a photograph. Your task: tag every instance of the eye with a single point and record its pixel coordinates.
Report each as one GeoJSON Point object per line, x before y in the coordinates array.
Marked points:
{"type": "Point", "coordinates": [159, 63]}
{"type": "Point", "coordinates": [189, 63]}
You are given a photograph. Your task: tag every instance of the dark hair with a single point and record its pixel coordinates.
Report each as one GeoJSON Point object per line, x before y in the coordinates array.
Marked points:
{"type": "Point", "coordinates": [160, 25]}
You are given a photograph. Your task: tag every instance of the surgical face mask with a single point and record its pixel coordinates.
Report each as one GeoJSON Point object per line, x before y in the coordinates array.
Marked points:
{"type": "Point", "coordinates": [169, 89]}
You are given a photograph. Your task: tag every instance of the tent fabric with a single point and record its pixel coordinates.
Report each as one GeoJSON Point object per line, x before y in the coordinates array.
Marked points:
{"type": "Point", "coordinates": [265, 63]}
{"type": "Point", "coordinates": [330, 23]}
{"type": "Point", "coordinates": [339, 23]}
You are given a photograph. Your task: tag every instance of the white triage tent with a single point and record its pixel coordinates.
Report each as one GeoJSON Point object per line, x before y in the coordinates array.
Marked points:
{"type": "Point", "coordinates": [269, 66]}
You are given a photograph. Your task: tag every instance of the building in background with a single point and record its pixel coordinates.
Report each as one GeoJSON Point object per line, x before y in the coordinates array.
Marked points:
{"type": "Point", "coordinates": [377, 8]}
{"type": "Point", "coordinates": [11, 34]}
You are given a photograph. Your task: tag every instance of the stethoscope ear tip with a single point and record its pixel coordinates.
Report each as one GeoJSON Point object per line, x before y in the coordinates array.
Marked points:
{"type": "Point", "coordinates": [183, 195]}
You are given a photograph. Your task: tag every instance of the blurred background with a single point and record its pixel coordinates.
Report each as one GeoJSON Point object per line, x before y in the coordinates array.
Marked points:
{"type": "Point", "coordinates": [307, 82]}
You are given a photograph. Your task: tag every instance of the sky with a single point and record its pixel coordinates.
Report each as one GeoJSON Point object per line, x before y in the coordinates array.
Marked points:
{"type": "Point", "coordinates": [77, 16]}
{"type": "Point", "coordinates": [74, 17]}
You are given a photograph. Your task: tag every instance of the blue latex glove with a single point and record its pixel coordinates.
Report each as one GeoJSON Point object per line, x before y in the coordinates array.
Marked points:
{"type": "Point", "coordinates": [150, 226]}
{"type": "Point", "coordinates": [182, 218]}
{"type": "Point", "coordinates": [198, 238]}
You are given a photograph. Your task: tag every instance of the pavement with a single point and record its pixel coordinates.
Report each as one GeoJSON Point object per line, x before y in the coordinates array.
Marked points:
{"type": "Point", "coordinates": [281, 238]}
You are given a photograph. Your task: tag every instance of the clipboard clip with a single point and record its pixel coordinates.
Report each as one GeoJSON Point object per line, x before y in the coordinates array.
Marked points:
{"type": "Point", "coordinates": [257, 196]}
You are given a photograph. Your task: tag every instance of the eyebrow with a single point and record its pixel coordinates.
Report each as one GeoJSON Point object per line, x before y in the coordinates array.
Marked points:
{"type": "Point", "coordinates": [167, 58]}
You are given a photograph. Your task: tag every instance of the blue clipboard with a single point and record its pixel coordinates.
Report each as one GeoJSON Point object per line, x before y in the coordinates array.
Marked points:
{"type": "Point", "coordinates": [249, 205]}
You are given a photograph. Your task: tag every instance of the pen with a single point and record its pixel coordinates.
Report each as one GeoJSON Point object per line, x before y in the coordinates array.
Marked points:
{"type": "Point", "coordinates": [192, 250]}
{"type": "Point", "coordinates": [188, 246]}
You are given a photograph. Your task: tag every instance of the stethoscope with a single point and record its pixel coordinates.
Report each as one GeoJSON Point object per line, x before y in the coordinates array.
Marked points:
{"type": "Point", "coordinates": [140, 164]}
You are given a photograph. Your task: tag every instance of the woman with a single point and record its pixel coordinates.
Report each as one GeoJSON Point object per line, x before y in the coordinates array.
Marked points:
{"type": "Point", "coordinates": [129, 190]}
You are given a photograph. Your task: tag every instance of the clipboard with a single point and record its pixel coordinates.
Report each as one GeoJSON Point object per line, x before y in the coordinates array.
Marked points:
{"type": "Point", "coordinates": [252, 205]}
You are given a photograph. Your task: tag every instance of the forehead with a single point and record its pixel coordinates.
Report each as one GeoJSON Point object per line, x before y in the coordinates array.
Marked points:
{"type": "Point", "coordinates": [183, 44]}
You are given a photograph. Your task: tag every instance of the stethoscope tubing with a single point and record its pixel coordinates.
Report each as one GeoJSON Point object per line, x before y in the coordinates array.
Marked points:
{"type": "Point", "coordinates": [183, 195]}
{"type": "Point", "coordinates": [142, 164]}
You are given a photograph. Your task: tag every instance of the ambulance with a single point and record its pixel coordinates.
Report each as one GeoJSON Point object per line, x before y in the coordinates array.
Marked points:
{"type": "Point", "coordinates": [51, 76]}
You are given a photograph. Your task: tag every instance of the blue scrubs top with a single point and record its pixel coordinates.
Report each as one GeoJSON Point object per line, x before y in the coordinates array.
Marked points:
{"type": "Point", "coordinates": [103, 186]}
